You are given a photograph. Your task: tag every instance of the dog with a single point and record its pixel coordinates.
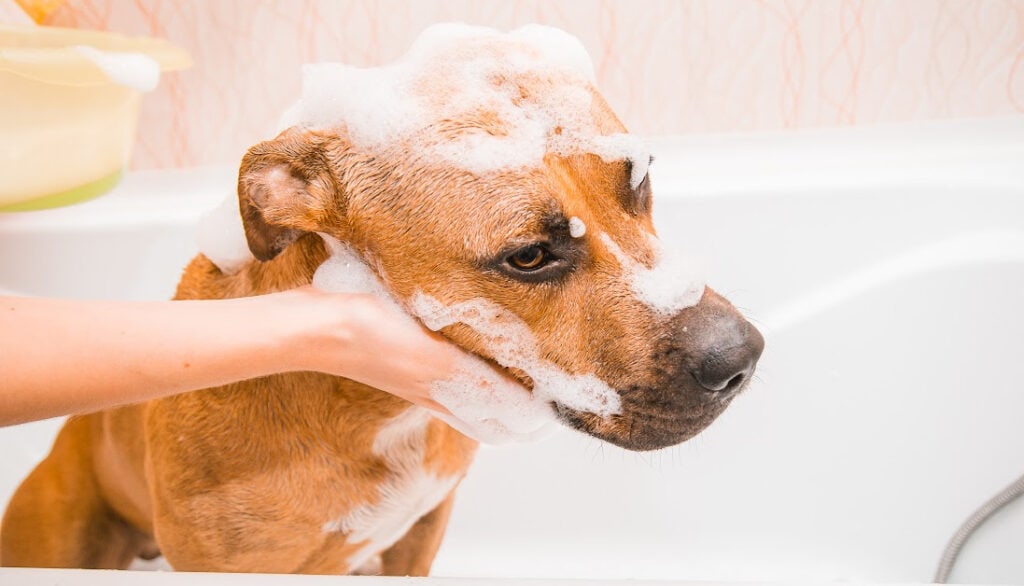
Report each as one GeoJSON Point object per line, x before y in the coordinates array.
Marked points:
{"type": "Point", "coordinates": [309, 473]}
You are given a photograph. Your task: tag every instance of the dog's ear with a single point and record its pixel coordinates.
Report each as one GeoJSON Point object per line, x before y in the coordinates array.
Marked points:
{"type": "Point", "coordinates": [287, 188]}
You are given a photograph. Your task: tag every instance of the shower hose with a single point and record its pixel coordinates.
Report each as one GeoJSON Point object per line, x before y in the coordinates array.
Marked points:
{"type": "Point", "coordinates": [956, 543]}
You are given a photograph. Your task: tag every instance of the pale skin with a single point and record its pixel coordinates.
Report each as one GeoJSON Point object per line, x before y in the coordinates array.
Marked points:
{"type": "Point", "coordinates": [61, 357]}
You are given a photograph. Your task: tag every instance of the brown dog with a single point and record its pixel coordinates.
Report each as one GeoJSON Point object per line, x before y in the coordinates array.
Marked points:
{"type": "Point", "coordinates": [303, 472]}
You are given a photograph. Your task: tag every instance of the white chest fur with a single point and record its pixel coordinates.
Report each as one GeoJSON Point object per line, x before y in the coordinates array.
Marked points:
{"type": "Point", "coordinates": [409, 493]}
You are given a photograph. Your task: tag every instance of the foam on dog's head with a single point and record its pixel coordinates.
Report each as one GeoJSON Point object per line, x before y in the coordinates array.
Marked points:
{"type": "Point", "coordinates": [672, 284]}
{"type": "Point", "coordinates": [624, 147]}
{"type": "Point", "coordinates": [576, 227]}
{"type": "Point", "coordinates": [472, 97]}
{"type": "Point", "coordinates": [484, 405]}
{"type": "Point", "coordinates": [511, 344]}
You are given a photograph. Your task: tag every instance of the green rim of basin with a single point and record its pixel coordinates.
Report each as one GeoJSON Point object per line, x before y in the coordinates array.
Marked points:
{"type": "Point", "coordinates": [69, 196]}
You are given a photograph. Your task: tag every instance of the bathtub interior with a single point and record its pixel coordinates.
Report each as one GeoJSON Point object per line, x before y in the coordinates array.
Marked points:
{"type": "Point", "coordinates": [885, 268]}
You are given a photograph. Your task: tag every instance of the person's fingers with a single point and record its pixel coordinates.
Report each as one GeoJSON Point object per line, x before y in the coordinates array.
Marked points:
{"type": "Point", "coordinates": [431, 404]}
{"type": "Point", "coordinates": [382, 346]}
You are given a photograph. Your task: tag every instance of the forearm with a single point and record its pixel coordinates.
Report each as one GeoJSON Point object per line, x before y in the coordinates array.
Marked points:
{"type": "Point", "coordinates": [59, 357]}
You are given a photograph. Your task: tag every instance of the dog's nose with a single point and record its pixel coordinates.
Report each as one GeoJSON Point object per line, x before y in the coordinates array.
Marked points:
{"type": "Point", "coordinates": [724, 347]}
{"type": "Point", "coordinates": [727, 366]}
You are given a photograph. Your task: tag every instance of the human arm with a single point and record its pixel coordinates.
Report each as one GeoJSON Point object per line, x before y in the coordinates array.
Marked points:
{"type": "Point", "coordinates": [63, 356]}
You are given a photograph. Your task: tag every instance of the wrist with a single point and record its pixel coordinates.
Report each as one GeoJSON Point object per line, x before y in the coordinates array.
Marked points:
{"type": "Point", "coordinates": [313, 331]}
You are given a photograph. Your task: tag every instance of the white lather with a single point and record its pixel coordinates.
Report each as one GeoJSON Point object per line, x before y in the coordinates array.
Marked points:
{"type": "Point", "coordinates": [410, 493]}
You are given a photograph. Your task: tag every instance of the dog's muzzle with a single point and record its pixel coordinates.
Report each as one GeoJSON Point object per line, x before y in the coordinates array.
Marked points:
{"type": "Point", "coordinates": [708, 358]}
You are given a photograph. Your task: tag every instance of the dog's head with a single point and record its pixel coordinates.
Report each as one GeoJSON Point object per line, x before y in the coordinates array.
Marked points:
{"type": "Point", "coordinates": [545, 264]}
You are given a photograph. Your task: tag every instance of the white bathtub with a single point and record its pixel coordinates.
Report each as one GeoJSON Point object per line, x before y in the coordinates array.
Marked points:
{"type": "Point", "coordinates": [886, 269]}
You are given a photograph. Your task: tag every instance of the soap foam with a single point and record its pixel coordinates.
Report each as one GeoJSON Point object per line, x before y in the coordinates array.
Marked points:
{"type": "Point", "coordinates": [671, 285]}
{"type": "Point", "coordinates": [484, 405]}
{"type": "Point", "coordinates": [618, 147]}
{"type": "Point", "coordinates": [221, 237]}
{"type": "Point", "coordinates": [525, 94]}
{"type": "Point", "coordinates": [511, 343]}
{"type": "Point", "coordinates": [496, 408]}
{"type": "Point", "coordinates": [345, 271]}
{"type": "Point", "coordinates": [576, 227]}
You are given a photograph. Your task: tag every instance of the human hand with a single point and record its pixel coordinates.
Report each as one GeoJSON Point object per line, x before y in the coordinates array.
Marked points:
{"type": "Point", "coordinates": [360, 337]}
{"type": "Point", "coordinates": [372, 341]}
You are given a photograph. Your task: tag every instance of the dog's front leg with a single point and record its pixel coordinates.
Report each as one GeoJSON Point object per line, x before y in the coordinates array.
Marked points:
{"type": "Point", "coordinates": [58, 518]}
{"type": "Point", "coordinates": [414, 553]}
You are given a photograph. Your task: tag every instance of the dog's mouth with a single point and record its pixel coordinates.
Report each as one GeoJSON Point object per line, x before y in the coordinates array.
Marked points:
{"type": "Point", "coordinates": [644, 426]}
{"type": "Point", "coordinates": [646, 421]}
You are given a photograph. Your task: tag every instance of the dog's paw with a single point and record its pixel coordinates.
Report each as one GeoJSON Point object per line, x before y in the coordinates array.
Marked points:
{"type": "Point", "coordinates": [371, 567]}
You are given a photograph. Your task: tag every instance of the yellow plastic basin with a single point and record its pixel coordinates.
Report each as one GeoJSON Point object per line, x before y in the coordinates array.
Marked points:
{"type": "Point", "coordinates": [69, 106]}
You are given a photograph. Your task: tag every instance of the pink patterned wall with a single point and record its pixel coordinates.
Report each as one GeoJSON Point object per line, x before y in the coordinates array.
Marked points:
{"type": "Point", "coordinates": [667, 66]}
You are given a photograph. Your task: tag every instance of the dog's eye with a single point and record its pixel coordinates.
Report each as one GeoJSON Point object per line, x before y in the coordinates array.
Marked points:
{"type": "Point", "coordinates": [530, 258]}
